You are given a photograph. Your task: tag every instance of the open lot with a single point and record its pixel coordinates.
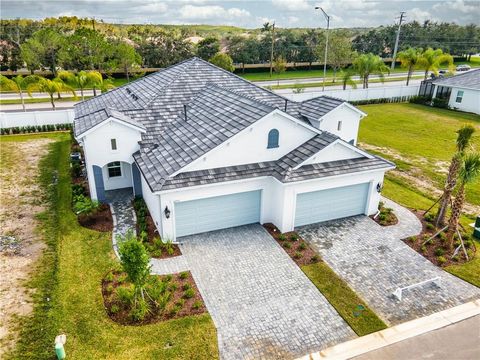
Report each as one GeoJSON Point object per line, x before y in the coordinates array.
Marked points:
{"type": "Point", "coordinates": [68, 292]}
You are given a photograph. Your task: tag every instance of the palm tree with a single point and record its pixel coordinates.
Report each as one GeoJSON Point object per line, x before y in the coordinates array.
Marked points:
{"type": "Point", "coordinates": [17, 84]}
{"type": "Point", "coordinates": [469, 171]}
{"type": "Point", "coordinates": [80, 80]}
{"type": "Point", "coordinates": [462, 143]}
{"type": "Point", "coordinates": [409, 59]}
{"type": "Point", "coordinates": [368, 64]}
{"type": "Point", "coordinates": [98, 82]}
{"type": "Point", "coordinates": [346, 78]}
{"type": "Point", "coordinates": [51, 87]}
{"type": "Point", "coordinates": [431, 60]}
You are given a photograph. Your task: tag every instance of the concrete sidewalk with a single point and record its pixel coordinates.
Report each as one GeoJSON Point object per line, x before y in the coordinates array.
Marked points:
{"type": "Point", "coordinates": [410, 331]}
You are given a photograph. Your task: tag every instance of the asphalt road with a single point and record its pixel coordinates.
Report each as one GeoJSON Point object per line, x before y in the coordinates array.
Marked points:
{"type": "Point", "coordinates": [460, 341]}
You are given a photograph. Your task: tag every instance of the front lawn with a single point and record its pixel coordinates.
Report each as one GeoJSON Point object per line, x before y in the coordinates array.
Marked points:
{"type": "Point", "coordinates": [69, 294]}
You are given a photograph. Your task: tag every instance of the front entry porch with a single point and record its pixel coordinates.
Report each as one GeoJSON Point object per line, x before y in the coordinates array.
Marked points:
{"type": "Point", "coordinates": [116, 175]}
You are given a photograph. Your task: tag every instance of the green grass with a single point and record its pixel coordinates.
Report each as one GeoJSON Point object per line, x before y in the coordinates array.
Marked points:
{"type": "Point", "coordinates": [343, 299]}
{"type": "Point", "coordinates": [470, 271]}
{"type": "Point", "coordinates": [70, 274]}
{"type": "Point", "coordinates": [423, 136]}
{"type": "Point", "coordinates": [338, 83]}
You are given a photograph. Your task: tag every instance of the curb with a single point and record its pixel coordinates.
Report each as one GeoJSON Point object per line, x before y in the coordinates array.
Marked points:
{"type": "Point", "coordinates": [397, 333]}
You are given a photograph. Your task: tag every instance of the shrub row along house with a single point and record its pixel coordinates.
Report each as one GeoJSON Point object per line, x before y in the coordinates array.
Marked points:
{"type": "Point", "coordinates": [209, 150]}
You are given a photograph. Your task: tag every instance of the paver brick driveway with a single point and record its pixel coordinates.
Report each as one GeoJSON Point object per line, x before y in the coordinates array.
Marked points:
{"type": "Point", "coordinates": [374, 262]}
{"type": "Point", "coordinates": [262, 304]}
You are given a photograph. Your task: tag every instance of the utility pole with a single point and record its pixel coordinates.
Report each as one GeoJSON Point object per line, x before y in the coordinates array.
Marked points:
{"type": "Point", "coordinates": [402, 17]}
{"type": "Point", "coordinates": [327, 17]}
{"type": "Point", "coordinates": [271, 49]}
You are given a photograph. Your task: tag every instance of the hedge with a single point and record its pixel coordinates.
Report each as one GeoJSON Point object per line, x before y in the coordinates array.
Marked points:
{"type": "Point", "coordinates": [35, 129]}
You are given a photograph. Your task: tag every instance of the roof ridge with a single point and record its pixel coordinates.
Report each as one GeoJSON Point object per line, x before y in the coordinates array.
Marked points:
{"type": "Point", "coordinates": [324, 96]}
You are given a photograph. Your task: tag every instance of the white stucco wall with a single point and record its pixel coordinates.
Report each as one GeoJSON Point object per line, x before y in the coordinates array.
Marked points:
{"type": "Point", "coordinates": [470, 100]}
{"type": "Point", "coordinates": [333, 152]}
{"type": "Point", "coordinates": [98, 151]}
{"type": "Point", "coordinates": [250, 145]}
{"type": "Point", "coordinates": [350, 122]}
{"type": "Point", "coordinates": [153, 203]}
{"type": "Point", "coordinates": [278, 199]}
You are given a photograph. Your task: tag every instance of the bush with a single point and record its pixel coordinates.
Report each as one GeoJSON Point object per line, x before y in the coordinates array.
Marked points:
{"type": "Point", "coordinates": [183, 275]}
{"type": "Point", "coordinates": [186, 286]}
{"type": "Point", "coordinates": [430, 226]}
{"type": "Point", "coordinates": [188, 294]}
{"type": "Point", "coordinates": [109, 288]}
{"type": "Point", "coordinates": [109, 277]}
{"type": "Point", "coordinates": [302, 246]}
{"type": "Point", "coordinates": [423, 249]}
{"type": "Point", "coordinates": [423, 100]}
{"type": "Point", "coordinates": [442, 236]}
{"type": "Point", "coordinates": [84, 205]}
{"type": "Point", "coordinates": [180, 303]}
{"type": "Point", "coordinates": [441, 260]}
{"type": "Point", "coordinates": [429, 217]}
{"type": "Point", "coordinates": [439, 251]}
{"type": "Point", "coordinates": [125, 294]}
{"type": "Point", "coordinates": [382, 217]}
{"type": "Point", "coordinates": [197, 305]}
{"type": "Point", "coordinates": [76, 170]}
{"type": "Point", "coordinates": [297, 255]}
{"type": "Point", "coordinates": [282, 237]}
{"type": "Point", "coordinates": [315, 258]}
{"type": "Point", "coordinates": [114, 309]}
{"type": "Point", "coordinates": [287, 245]}
{"type": "Point", "coordinates": [440, 103]}
{"type": "Point", "coordinates": [412, 239]}
{"type": "Point", "coordinates": [139, 310]}
{"type": "Point", "coordinates": [294, 237]}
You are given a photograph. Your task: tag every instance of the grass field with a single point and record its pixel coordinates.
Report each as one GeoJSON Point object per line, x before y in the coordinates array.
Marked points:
{"type": "Point", "coordinates": [422, 136]}
{"type": "Point", "coordinates": [69, 296]}
{"type": "Point", "coordinates": [420, 139]}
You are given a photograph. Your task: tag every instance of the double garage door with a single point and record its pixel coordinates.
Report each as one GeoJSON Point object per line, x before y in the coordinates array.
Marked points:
{"type": "Point", "coordinates": [219, 212]}
{"type": "Point", "coordinates": [318, 206]}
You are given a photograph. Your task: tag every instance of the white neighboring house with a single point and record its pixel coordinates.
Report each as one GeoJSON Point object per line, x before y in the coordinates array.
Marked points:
{"type": "Point", "coordinates": [462, 91]}
{"type": "Point", "coordinates": [209, 150]}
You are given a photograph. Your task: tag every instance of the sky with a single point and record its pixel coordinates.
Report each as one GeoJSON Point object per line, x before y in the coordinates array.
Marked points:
{"type": "Point", "coordinates": [248, 13]}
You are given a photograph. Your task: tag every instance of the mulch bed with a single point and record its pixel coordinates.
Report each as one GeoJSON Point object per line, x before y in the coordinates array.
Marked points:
{"type": "Point", "coordinates": [386, 217]}
{"type": "Point", "coordinates": [100, 221]}
{"type": "Point", "coordinates": [187, 307]}
{"type": "Point", "coordinates": [294, 245]}
{"type": "Point", "coordinates": [436, 250]}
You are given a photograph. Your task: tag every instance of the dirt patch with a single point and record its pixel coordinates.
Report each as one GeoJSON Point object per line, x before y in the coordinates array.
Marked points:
{"type": "Point", "coordinates": [182, 298]}
{"type": "Point", "coordinates": [297, 248]}
{"type": "Point", "coordinates": [22, 199]}
{"type": "Point", "coordinates": [100, 221]}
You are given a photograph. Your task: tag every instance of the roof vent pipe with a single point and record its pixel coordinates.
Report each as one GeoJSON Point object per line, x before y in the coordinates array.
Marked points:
{"type": "Point", "coordinates": [286, 102]}
{"type": "Point", "coordinates": [185, 111]}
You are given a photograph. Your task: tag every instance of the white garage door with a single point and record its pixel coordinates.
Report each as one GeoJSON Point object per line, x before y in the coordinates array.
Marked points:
{"type": "Point", "coordinates": [197, 216]}
{"type": "Point", "coordinates": [331, 204]}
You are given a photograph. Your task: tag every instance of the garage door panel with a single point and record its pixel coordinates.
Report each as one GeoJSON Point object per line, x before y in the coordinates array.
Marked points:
{"type": "Point", "coordinates": [218, 212]}
{"type": "Point", "coordinates": [331, 204]}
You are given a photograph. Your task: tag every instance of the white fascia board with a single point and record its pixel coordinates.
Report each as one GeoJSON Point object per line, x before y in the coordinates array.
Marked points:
{"type": "Point", "coordinates": [461, 87]}
{"type": "Point", "coordinates": [160, 192]}
{"type": "Point", "coordinates": [104, 122]}
{"type": "Point", "coordinates": [276, 111]}
{"type": "Point", "coordinates": [338, 141]}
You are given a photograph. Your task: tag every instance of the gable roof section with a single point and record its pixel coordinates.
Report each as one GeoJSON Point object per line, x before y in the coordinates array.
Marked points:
{"type": "Point", "coordinates": [469, 79]}
{"type": "Point", "coordinates": [215, 115]}
{"type": "Point", "coordinates": [315, 108]}
{"type": "Point", "coordinates": [96, 118]}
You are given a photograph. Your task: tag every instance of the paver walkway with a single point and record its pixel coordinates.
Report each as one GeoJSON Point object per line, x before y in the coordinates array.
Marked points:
{"type": "Point", "coordinates": [262, 304]}
{"type": "Point", "coordinates": [374, 261]}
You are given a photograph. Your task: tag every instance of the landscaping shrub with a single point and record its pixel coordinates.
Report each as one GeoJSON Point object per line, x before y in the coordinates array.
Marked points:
{"type": "Point", "coordinates": [76, 170]}
{"type": "Point", "coordinates": [84, 205]}
{"type": "Point", "coordinates": [441, 260]}
{"type": "Point", "coordinates": [197, 305]}
{"type": "Point", "coordinates": [183, 275]}
{"type": "Point", "coordinates": [439, 251]}
{"type": "Point", "coordinates": [188, 294]}
{"type": "Point", "coordinates": [282, 237]}
{"type": "Point", "coordinates": [287, 245]}
{"type": "Point", "coordinates": [440, 103]}
{"type": "Point", "coordinates": [302, 246]}
{"type": "Point", "coordinates": [423, 100]}
{"type": "Point", "coordinates": [297, 255]}
{"type": "Point", "coordinates": [294, 237]}
{"type": "Point", "coordinates": [186, 287]}
{"type": "Point", "coordinates": [139, 310]}
{"type": "Point", "coordinates": [125, 294]}
{"type": "Point", "coordinates": [430, 226]}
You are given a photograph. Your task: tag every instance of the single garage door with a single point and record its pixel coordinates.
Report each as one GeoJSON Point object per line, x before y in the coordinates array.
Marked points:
{"type": "Point", "coordinates": [197, 216]}
{"type": "Point", "coordinates": [331, 204]}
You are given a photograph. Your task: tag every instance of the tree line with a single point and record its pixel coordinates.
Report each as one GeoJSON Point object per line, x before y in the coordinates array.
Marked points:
{"type": "Point", "coordinates": [85, 44]}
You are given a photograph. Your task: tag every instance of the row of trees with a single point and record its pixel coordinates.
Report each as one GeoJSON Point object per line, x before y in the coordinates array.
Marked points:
{"type": "Point", "coordinates": [65, 82]}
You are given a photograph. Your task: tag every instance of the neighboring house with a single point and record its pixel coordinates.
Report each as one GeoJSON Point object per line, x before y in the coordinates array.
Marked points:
{"type": "Point", "coordinates": [208, 150]}
{"type": "Point", "coordinates": [462, 91]}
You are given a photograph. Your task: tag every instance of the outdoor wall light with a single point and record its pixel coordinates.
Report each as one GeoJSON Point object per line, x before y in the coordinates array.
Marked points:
{"type": "Point", "coordinates": [167, 212]}
{"type": "Point", "coordinates": [379, 187]}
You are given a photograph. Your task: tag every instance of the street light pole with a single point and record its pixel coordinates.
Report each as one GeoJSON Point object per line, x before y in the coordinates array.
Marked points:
{"type": "Point", "coordinates": [402, 17]}
{"type": "Point", "coordinates": [327, 17]}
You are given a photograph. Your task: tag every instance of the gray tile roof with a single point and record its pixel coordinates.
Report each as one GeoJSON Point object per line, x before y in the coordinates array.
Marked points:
{"type": "Point", "coordinates": [469, 79]}
{"type": "Point", "coordinates": [314, 109]}
{"type": "Point", "coordinates": [219, 105]}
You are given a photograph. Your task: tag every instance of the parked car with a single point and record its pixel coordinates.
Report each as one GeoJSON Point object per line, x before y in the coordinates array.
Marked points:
{"type": "Point", "coordinates": [463, 67]}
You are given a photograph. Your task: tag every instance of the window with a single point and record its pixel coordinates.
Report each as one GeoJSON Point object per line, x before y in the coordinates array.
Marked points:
{"type": "Point", "coordinates": [273, 136]}
{"type": "Point", "coordinates": [114, 169]}
{"type": "Point", "coordinates": [113, 142]}
{"type": "Point", "coordinates": [339, 126]}
{"type": "Point", "coordinates": [459, 96]}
